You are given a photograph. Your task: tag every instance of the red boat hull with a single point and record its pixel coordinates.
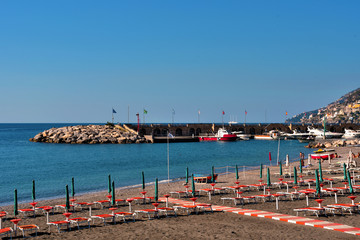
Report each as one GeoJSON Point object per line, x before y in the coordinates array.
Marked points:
{"type": "Point", "coordinates": [226, 137]}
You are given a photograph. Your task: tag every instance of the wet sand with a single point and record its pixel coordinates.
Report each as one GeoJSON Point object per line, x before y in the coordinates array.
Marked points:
{"type": "Point", "coordinates": [217, 225]}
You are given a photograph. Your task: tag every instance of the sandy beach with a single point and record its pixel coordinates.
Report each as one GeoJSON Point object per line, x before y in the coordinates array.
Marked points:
{"type": "Point", "coordinates": [217, 225]}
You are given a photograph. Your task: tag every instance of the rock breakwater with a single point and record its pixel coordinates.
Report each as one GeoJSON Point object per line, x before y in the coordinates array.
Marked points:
{"type": "Point", "coordinates": [333, 143]}
{"type": "Point", "coordinates": [89, 134]}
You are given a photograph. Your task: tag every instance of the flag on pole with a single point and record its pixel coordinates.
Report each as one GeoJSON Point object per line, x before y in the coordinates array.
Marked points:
{"type": "Point", "coordinates": [145, 111]}
{"type": "Point", "coordinates": [113, 111]}
{"type": "Point", "coordinates": [199, 112]}
{"type": "Point", "coordinates": [223, 113]}
{"type": "Point", "coordinates": [245, 112]}
{"type": "Point", "coordinates": [170, 135]}
{"type": "Point", "coordinates": [286, 113]}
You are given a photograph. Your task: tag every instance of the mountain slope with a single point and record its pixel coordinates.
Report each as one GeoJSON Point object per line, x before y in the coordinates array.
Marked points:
{"type": "Point", "coordinates": [344, 110]}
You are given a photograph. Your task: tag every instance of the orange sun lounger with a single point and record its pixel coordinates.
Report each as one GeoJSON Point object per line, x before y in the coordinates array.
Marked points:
{"type": "Point", "coordinates": [6, 231]}
{"type": "Point", "coordinates": [28, 228]}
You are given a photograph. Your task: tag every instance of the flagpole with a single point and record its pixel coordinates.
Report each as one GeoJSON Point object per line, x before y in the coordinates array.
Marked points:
{"type": "Point", "coordinates": [245, 116]}
{"type": "Point", "coordinates": [112, 114]}
{"type": "Point", "coordinates": [168, 157]}
{"type": "Point", "coordinates": [278, 152]}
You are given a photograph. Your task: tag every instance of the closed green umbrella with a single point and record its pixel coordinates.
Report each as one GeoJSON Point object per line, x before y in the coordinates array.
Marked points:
{"type": "Point", "coordinates": [261, 170]}
{"type": "Point", "coordinates": [295, 176]}
{"type": "Point", "coordinates": [109, 184]}
{"type": "Point", "coordinates": [320, 172]}
{"type": "Point", "coordinates": [67, 205]}
{"type": "Point", "coordinates": [33, 191]}
{"type": "Point", "coordinates": [300, 166]}
{"type": "Point", "coordinates": [212, 174]}
{"type": "Point", "coordinates": [72, 187]}
{"type": "Point", "coordinates": [268, 177]}
{"type": "Point", "coordinates": [345, 177]}
{"type": "Point", "coordinates": [280, 165]}
{"type": "Point", "coordinates": [237, 172]}
{"type": "Point", "coordinates": [143, 180]}
{"type": "Point", "coordinates": [113, 194]}
{"type": "Point", "coordinates": [192, 185]}
{"type": "Point", "coordinates": [349, 181]}
{"type": "Point", "coordinates": [187, 176]}
{"type": "Point", "coordinates": [15, 203]}
{"type": "Point", "coordinates": [317, 182]}
{"type": "Point", "coordinates": [156, 198]}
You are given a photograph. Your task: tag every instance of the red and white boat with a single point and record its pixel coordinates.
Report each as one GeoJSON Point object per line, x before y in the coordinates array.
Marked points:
{"type": "Point", "coordinates": [221, 135]}
{"type": "Point", "coordinates": [323, 154]}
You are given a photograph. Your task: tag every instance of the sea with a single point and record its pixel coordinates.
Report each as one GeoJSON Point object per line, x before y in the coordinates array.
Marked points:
{"type": "Point", "coordinates": [52, 166]}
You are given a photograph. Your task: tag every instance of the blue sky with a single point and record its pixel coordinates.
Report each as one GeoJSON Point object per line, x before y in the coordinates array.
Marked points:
{"type": "Point", "coordinates": [72, 61]}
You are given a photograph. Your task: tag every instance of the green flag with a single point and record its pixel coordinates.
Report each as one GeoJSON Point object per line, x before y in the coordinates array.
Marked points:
{"type": "Point", "coordinates": [145, 112]}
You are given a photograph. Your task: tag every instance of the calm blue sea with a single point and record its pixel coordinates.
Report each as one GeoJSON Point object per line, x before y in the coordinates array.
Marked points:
{"type": "Point", "coordinates": [53, 165]}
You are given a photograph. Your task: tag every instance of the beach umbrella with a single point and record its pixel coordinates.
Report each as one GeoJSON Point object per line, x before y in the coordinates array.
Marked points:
{"type": "Point", "coordinates": [349, 181]}
{"type": "Point", "coordinates": [345, 177]}
{"type": "Point", "coordinates": [295, 176]}
{"type": "Point", "coordinates": [113, 193]}
{"type": "Point", "coordinates": [268, 177]}
{"type": "Point", "coordinates": [143, 180]}
{"type": "Point", "coordinates": [193, 185]}
{"type": "Point", "coordinates": [156, 190]}
{"type": "Point", "coordinates": [317, 182]}
{"type": "Point", "coordinates": [67, 205]}
{"type": "Point", "coordinates": [187, 175]}
{"type": "Point", "coordinates": [261, 170]}
{"type": "Point", "coordinates": [212, 174]}
{"type": "Point", "coordinates": [280, 165]}
{"type": "Point", "coordinates": [236, 172]}
{"type": "Point", "coordinates": [15, 203]}
{"type": "Point", "coordinates": [72, 187]}
{"type": "Point", "coordinates": [33, 191]}
{"type": "Point", "coordinates": [300, 166]}
{"type": "Point", "coordinates": [109, 184]}
{"type": "Point", "coordinates": [320, 172]}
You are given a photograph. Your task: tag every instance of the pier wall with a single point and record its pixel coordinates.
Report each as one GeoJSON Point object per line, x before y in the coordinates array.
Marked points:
{"type": "Point", "coordinates": [191, 129]}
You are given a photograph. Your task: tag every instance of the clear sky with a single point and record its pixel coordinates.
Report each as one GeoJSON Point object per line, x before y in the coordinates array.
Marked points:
{"type": "Point", "coordinates": [73, 61]}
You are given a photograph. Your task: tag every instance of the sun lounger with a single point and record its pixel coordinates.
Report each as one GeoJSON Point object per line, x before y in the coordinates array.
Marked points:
{"type": "Point", "coordinates": [78, 220]}
{"type": "Point", "coordinates": [151, 213]}
{"type": "Point", "coordinates": [105, 217]}
{"type": "Point", "coordinates": [317, 210]}
{"type": "Point", "coordinates": [102, 203]}
{"type": "Point", "coordinates": [6, 231]}
{"type": "Point", "coordinates": [59, 224]}
{"type": "Point", "coordinates": [25, 212]}
{"type": "Point", "coordinates": [264, 197]}
{"type": "Point", "coordinates": [333, 209]}
{"type": "Point", "coordinates": [141, 200]}
{"type": "Point", "coordinates": [346, 207]}
{"type": "Point", "coordinates": [180, 193]}
{"type": "Point", "coordinates": [28, 228]}
{"type": "Point", "coordinates": [42, 209]}
{"type": "Point", "coordinates": [204, 207]}
{"type": "Point", "coordinates": [188, 208]}
{"type": "Point", "coordinates": [167, 211]}
{"type": "Point", "coordinates": [236, 200]}
{"type": "Point", "coordinates": [126, 215]}
{"type": "Point", "coordinates": [62, 206]}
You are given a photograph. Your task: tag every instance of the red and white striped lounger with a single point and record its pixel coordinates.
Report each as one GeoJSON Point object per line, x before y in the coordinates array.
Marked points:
{"type": "Point", "coordinates": [6, 231]}
{"type": "Point", "coordinates": [105, 217]}
{"type": "Point", "coordinates": [59, 224]}
{"type": "Point", "coordinates": [236, 200]}
{"type": "Point", "coordinates": [125, 215]}
{"type": "Point", "coordinates": [78, 220]}
{"type": "Point", "coordinates": [167, 211]}
{"type": "Point", "coordinates": [318, 211]}
{"type": "Point", "coordinates": [151, 213]}
{"type": "Point", "coordinates": [28, 228]}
